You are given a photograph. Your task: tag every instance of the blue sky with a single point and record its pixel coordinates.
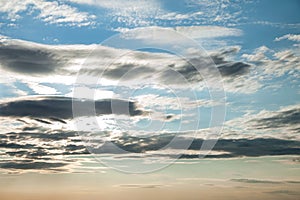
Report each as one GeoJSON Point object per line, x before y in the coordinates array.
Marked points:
{"type": "Point", "coordinates": [262, 15]}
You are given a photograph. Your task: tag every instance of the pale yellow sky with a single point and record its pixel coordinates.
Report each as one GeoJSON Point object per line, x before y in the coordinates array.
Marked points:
{"type": "Point", "coordinates": [240, 178]}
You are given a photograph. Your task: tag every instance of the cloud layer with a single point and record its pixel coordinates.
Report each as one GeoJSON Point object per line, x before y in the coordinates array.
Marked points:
{"type": "Point", "coordinates": [61, 107]}
{"type": "Point", "coordinates": [52, 12]}
{"type": "Point", "coordinates": [32, 63]}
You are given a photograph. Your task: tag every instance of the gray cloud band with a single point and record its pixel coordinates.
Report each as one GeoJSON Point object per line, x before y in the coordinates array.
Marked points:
{"type": "Point", "coordinates": [44, 60]}
{"type": "Point", "coordinates": [57, 108]}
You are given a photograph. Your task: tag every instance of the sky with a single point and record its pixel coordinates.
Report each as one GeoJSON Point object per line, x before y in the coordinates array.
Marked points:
{"type": "Point", "coordinates": [142, 93]}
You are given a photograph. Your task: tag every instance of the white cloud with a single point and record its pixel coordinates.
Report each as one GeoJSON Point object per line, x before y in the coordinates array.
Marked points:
{"type": "Point", "coordinates": [202, 32]}
{"type": "Point", "coordinates": [195, 32]}
{"type": "Point", "coordinates": [179, 16]}
{"type": "Point", "coordinates": [174, 103]}
{"type": "Point", "coordinates": [52, 12]}
{"type": "Point", "coordinates": [41, 89]}
{"type": "Point", "coordinates": [129, 5]}
{"type": "Point", "coordinates": [98, 93]}
{"type": "Point", "coordinates": [139, 13]}
{"type": "Point", "coordinates": [244, 84]}
{"type": "Point", "coordinates": [291, 37]}
{"type": "Point", "coordinates": [217, 11]}
{"type": "Point", "coordinates": [271, 63]}
{"type": "Point", "coordinates": [170, 35]}
{"type": "Point", "coordinates": [258, 55]}
{"type": "Point", "coordinates": [277, 25]}
{"type": "Point", "coordinates": [129, 12]}
{"type": "Point", "coordinates": [285, 55]}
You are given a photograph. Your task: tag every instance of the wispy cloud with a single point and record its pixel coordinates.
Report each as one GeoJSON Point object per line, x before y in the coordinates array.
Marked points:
{"type": "Point", "coordinates": [291, 37]}
{"type": "Point", "coordinates": [255, 181]}
{"type": "Point", "coordinates": [127, 13]}
{"type": "Point", "coordinates": [52, 12]}
{"type": "Point", "coordinates": [194, 32]}
{"type": "Point", "coordinates": [283, 123]}
{"type": "Point", "coordinates": [277, 64]}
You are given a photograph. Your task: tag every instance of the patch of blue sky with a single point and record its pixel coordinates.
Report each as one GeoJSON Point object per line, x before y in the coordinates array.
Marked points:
{"type": "Point", "coordinates": [7, 91]}
{"type": "Point", "coordinates": [61, 88]}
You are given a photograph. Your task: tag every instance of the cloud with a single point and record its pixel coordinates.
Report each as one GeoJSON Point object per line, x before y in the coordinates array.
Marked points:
{"type": "Point", "coordinates": [283, 123]}
{"type": "Point", "coordinates": [34, 64]}
{"type": "Point", "coordinates": [31, 165]}
{"type": "Point", "coordinates": [36, 59]}
{"type": "Point", "coordinates": [284, 192]}
{"type": "Point", "coordinates": [290, 37]}
{"type": "Point", "coordinates": [16, 146]}
{"type": "Point", "coordinates": [203, 32]}
{"type": "Point", "coordinates": [43, 121]}
{"type": "Point", "coordinates": [259, 55]}
{"type": "Point", "coordinates": [141, 13]}
{"type": "Point", "coordinates": [141, 186]}
{"type": "Point", "coordinates": [166, 37]}
{"type": "Point", "coordinates": [180, 16]}
{"type": "Point", "coordinates": [234, 68]}
{"type": "Point", "coordinates": [285, 55]}
{"type": "Point", "coordinates": [255, 181]}
{"type": "Point", "coordinates": [42, 89]}
{"type": "Point", "coordinates": [61, 107]}
{"type": "Point", "coordinates": [39, 148]}
{"type": "Point", "coordinates": [128, 13]}
{"type": "Point", "coordinates": [278, 25]}
{"type": "Point", "coordinates": [272, 63]}
{"type": "Point", "coordinates": [52, 12]}
{"type": "Point", "coordinates": [286, 117]}
{"type": "Point", "coordinates": [32, 147]}
{"type": "Point", "coordinates": [28, 60]}
{"type": "Point", "coordinates": [224, 148]}
{"type": "Point", "coordinates": [47, 145]}
{"type": "Point", "coordinates": [127, 6]}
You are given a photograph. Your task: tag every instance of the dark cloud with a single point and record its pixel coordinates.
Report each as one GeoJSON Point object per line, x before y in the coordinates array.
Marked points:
{"type": "Point", "coordinates": [28, 60]}
{"type": "Point", "coordinates": [42, 135]}
{"type": "Point", "coordinates": [127, 71]}
{"type": "Point", "coordinates": [31, 165]}
{"type": "Point", "coordinates": [46, 145]}
{"type": "Point", "coordinates": [12, 145]}
{"type": "Point", "coordinates": [285, 192]}
{"type": "Point", "coordinates": [43, 121]}
{"type": "Point", "coordinates": [255, 181]}
{"type": "Point", "coordinates": [230, 147]}
{"type": "Point", "coordinates": [233, 148]}
{"type": "Point", "coordinates": [146, 186]}
{"type": "Point", "coordinates": [233, 68]}
{"type": "Point", "coordinates": [256, 147]}
{"type": "Point", "coordinates": [284, 118]}
{"type": "Point", "coordinates": [43, 145]}
{"type": "Point", "coordinates": [192, 75]}
{"type": "Point", "coordinates": [36, 59]}
{"type": "Point", "coordinates": [293, 182]}
{"type": "Point", "coordinates": [57, 120]}
{"type": "Point", "coordinates": [61, 108]}
{"type": "Point", "coordinates": [220, 56]}
{"type": "Point", "coordinates": [228, 68]}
